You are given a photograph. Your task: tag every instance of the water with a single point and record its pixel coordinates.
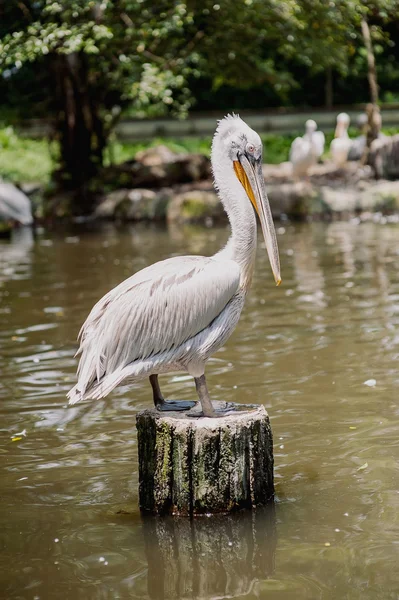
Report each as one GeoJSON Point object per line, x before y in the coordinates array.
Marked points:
{"type": "Point", "coordinates": [70, 527]}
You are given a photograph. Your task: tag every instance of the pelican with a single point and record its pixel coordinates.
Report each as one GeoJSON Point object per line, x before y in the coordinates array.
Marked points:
{"type": "Point", "coordinates": [341, 143]}
{"type": "Point", "coordinates": [174, 314]}
{"type": "Point", "coordinates": [305, 151]}
{"type": "Point", "coordinates": [14, 205]}
{"type": "Point", "coordinates": [358, 145]}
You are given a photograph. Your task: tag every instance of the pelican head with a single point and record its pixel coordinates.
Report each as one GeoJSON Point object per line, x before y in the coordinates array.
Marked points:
{"type": "Point", "coordinates": [310, 126]}
{"type": "Point", "coordinates": [238, 147]}
{"type": "Point", "coordinates": [362, 122]}
{"type": "Point", "coordinates": [341, 129]}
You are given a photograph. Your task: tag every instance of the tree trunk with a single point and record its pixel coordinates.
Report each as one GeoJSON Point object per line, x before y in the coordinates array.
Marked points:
{"type": "Point", "coordinates": [372, 74]}
{"type": "Point", "coordinates": [79, 129]}
{"type": "Point", "coordinates": [191, 465]}
{"type": "Point", "coordinates": [372, 109]}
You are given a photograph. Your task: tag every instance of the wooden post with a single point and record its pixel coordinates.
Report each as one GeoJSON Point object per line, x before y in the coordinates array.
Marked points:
{"type": "Point", "coordinates": [191, 465]}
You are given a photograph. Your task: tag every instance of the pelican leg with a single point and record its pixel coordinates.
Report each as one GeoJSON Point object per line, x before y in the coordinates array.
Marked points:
{"type": "Point", "coordinates": [167, 405]}
{"type": "Point", "coordinates": [203, 395]}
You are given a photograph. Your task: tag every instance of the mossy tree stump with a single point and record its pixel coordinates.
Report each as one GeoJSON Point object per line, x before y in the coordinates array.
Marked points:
{"type": "Point", "coordinates": [191, 465]}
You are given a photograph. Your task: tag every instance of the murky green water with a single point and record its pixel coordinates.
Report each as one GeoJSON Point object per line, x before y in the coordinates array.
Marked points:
{"type": "Point", "coordinates": [70, 528]}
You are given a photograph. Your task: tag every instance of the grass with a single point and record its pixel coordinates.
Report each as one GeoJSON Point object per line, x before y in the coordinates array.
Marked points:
{"type": "Point", "coordinates": [24, 159]}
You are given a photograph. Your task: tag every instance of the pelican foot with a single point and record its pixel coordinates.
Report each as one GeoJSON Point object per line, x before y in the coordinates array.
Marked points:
{"type": "Point", "coordinates": [175, 405]}
{"type": "Point", "coordinates": [224, 409]}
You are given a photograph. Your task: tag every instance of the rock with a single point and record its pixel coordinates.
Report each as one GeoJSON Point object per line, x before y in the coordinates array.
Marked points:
{"type": "Point", "coordinates": [177, 187]}
{"type": "Point", "coordinates": [106, 208]}
{"type": "Point", "coordinates": [293, 199]}
{"type": "Point", "coordinates": [158, 167]}
{"type": "Point", "coordinates": [59, 205]}
{"type": "Point", "coordinates": [195, 206]}
{"type": "Point", "coordinates": [134, 205]}
{"type": "Point", "coordinates": [384, 157]}
{"type": "Point", "coordinates": [370, 197]}
{"type": "Point", "coordinates": [279, 172]}
{"type": "Point", "coordinates": [336, 200]}
{"type": "Point", "coordinates": [155, 156]}
{"type": "Point", "coordinates": [298, 200]}
{"type": "Point", "coordinates": [382, 196]}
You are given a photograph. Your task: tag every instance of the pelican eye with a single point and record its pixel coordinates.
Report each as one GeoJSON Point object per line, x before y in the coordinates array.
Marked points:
{"type": "Point", "coordinates": [250, 148]}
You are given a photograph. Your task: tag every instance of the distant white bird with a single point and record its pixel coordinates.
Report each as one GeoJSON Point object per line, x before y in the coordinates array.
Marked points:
{"type": "Point", "coordinates": [173, 315]}
{"type": "Point", "coordinates": [305, 151]}
{"type": "Point", "coordinates": [14, 205]}
{"type": "Point", "coordinates": [315, 137]}
{"type": "Point", "coordinates": [358, 144]}
{"type": "Point", "coordinates": [341, 143]}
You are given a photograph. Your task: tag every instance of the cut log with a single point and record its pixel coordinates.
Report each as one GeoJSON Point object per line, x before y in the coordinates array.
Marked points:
{"type": "Point", "coordinates": [191, 465]}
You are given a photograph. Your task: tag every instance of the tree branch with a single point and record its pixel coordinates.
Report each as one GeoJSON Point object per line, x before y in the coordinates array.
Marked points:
{"type": "Point", "coordinates": [372, 75]}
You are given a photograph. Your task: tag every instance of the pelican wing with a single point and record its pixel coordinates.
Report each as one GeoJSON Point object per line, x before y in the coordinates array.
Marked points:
{"type": "Point", "coordinates": [298, 150]}
{"type": "Point", "coordinates": [153, 311]}
{"type": "Point", "coordinates": [14, 204]}
{"type": "Point", "coordinates": [339, 149]}
{"type": "Point", "coordinates": [319, 142]}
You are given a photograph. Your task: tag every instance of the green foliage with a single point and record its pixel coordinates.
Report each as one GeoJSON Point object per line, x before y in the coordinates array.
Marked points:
{"type": "Point", "coordinates": [134, 51]}
{"type": "Point", "coordinates": [144, 53]}
{"type": "Point", "coordinates": [8, 138]}
{"type": "Point", "coordinates": [95, 58]}
{"type": "Point", "coordinates": [23, 159]}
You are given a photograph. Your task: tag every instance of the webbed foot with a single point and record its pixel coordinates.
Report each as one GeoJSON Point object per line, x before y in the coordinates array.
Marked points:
{"type": "Point", "coordinates": [174, 405]}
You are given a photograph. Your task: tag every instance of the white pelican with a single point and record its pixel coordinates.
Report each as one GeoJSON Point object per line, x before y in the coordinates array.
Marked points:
{"type": "Point", "coordinates": [14, 205]}
{"type": "Point", "coordinates": [341, 143]}
{"type": "Point", "coordinates": [305, 151]}
{"type": "Point", "coordinates": [358, 145]}
{"type": "Point", "coordinates": [173, 315]}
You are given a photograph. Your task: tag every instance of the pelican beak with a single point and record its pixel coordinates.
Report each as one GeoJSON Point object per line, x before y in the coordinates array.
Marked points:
{"type": "Point", "coordinates": [249, 173]}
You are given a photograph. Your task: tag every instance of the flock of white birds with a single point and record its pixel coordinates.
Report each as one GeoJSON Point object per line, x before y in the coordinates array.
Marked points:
{"type": "Point", "coordinates": [307, 150]}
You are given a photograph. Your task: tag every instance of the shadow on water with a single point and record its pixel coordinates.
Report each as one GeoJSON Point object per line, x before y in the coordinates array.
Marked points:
{"type": "Point", "coordinates": [209, 557]}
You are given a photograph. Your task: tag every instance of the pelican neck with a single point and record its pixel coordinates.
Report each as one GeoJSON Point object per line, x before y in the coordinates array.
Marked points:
{"type": "Point", "coordinates": [241, 246]}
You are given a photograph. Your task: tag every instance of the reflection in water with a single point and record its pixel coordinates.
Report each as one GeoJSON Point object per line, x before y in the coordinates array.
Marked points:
{"type": "Point", "coordinates": [308, 274]}
{"type": "Point", "coordinates": [304, 350]}
{"type": "Point", "coordinates": [15, 254]}
{"type": "Point", "coordinates": [340, 236]}
{"type": "Point", "coordinates": [208, 557]}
